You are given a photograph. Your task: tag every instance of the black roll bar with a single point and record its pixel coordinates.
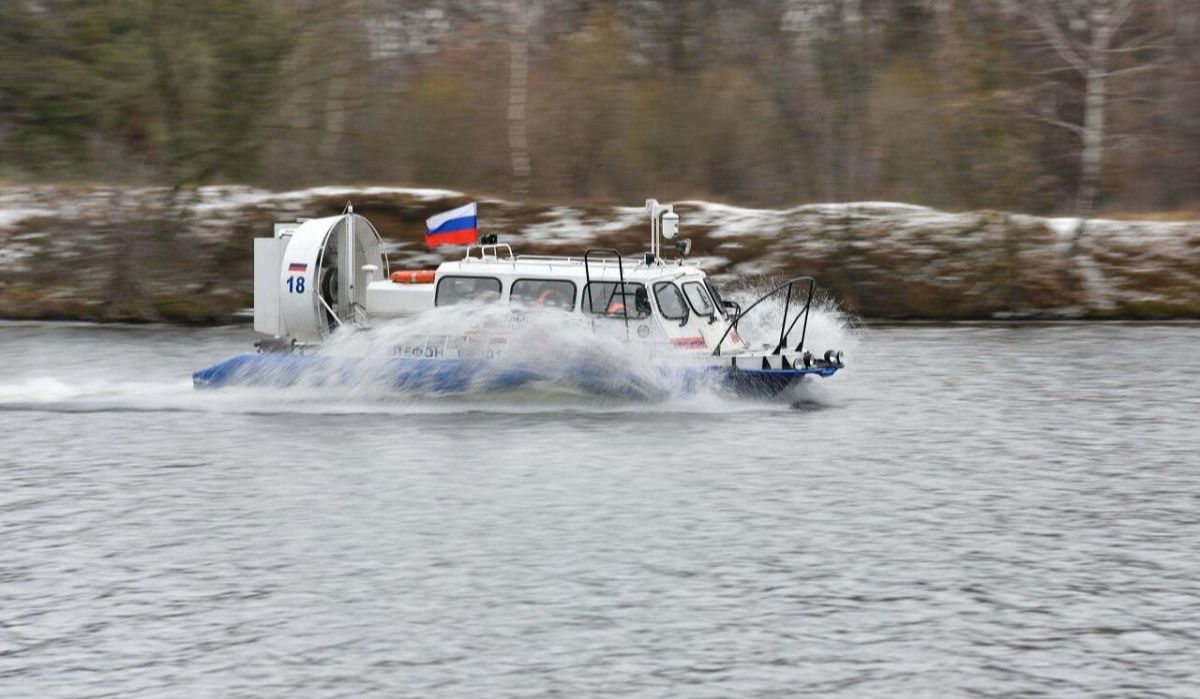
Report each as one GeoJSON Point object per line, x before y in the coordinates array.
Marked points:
{"type": "Point", "coordinates": [785, 328]}
{"type": "Point", "coordinates": [587, 275]}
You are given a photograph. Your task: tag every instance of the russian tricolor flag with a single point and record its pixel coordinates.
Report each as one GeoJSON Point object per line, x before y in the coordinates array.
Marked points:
{"type": "Point", "coordinates": [455, 227]}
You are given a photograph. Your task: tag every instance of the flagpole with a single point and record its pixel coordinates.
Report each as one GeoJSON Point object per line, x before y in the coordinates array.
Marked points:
{"type": "Point", "coordinates": [348, 275]}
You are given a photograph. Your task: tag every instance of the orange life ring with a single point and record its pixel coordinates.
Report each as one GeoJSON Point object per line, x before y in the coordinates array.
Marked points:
{"type": "Point", "coordinates": [414, 276]}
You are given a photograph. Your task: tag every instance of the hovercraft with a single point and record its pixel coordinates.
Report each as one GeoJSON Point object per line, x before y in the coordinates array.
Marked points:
{"type": "Point", "coordinates": [315, 277]}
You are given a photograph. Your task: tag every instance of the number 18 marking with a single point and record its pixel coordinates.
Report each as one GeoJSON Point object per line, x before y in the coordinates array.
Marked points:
{"type": "Point", "coordinates": [295, 285]}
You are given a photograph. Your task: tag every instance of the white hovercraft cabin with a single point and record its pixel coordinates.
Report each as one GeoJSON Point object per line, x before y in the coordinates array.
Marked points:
{"type": "Point", "coordinates": [315, 276]}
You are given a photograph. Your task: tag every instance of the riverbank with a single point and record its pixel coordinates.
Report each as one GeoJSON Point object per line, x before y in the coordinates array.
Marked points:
{"type": "Point", "coordinates": [140, 255]}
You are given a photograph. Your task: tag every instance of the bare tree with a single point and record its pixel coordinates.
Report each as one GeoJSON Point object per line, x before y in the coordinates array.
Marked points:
{"type": "Point", "coordinates": [1084, 36]}
{"type": "Point", "coordinates": [518, 80]}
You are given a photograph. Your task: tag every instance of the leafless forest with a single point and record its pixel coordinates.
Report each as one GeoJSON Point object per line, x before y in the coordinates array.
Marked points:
{"type": "Point", "coordinates": [1040, 106]}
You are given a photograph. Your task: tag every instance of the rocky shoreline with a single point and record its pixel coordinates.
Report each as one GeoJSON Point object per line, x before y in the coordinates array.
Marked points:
{"type": "Point", "coordinates": [113, 254]}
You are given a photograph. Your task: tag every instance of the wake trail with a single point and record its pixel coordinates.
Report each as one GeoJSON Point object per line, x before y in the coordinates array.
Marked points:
{"type": "Point", "coordinates": [559, 345]}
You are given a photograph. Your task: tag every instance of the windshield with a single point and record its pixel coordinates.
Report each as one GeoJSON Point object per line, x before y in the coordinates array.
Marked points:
{"type": "Point", "coordinates": [716, 293]}
{"type": "Point", "coordinates": [670, 301]}
{"type": "Point", "coordinates": [698, 298]}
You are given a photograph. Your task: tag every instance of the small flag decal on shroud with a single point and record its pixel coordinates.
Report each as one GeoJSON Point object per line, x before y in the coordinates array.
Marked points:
{"type": "Point", "coordinates": [298, 267]}
{"type": "Point", "coordinates": [455, 227]}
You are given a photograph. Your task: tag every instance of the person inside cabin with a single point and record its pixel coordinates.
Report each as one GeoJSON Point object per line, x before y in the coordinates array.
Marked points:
{"type": "Point", "coordinates": [543, 293]}
{"type": "Point", "coordinates": [550, 298]}
{"type": "Point", "coordinates": [641, 302]}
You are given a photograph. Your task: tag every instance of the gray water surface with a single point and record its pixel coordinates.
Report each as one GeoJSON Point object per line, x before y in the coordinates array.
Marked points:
{"type": "Point", "coordinates": [965, 511]}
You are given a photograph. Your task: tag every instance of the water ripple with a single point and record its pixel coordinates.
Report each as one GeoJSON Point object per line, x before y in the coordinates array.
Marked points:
{"type": "Point", "coordinates": [967, 511]}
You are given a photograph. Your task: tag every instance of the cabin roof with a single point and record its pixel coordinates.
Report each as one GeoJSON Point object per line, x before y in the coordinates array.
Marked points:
{"type": "Point", "coordinates": [554, 267]}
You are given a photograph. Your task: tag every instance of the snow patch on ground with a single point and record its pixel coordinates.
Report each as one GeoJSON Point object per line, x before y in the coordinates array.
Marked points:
{"type": "Point", "coordinates": [10, 217]}
{"type": "Point", "coordinates": [568, 225]}
{"type": "Point", "coordinates": [422, 194]}
{"type": "Point", "coordinates": [232, 197]}
{"type": "Point", "coordinates": [725, 221]}
{"type": "Point", "coordinates": [874, 208]}
{"type": "Point", "coordinates": [14, 256]}
{"type": "Point", "coordinates": [1064, 228]}
{"type": "Point", "coordinates": [708, 262]}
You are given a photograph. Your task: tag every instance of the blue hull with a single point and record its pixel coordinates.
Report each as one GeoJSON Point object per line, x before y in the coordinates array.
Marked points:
{"type": "Point", "coordinates": [459, 376]}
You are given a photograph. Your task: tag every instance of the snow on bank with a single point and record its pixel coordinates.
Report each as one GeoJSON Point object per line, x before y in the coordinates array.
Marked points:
{"type": "Point", "coordinates": [880, 258]}
{"type": "Point", "coordinates": [565, 224]}
{"type": "Point", "coordinates": [217, 198]}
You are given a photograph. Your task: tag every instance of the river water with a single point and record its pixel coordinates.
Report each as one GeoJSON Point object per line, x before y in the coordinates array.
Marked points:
{"type": "Point", "coordinates": [964, 511]}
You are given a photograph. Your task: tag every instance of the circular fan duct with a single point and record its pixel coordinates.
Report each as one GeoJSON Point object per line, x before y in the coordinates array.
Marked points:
{"type": "Point", "coordinates": [324, 283]}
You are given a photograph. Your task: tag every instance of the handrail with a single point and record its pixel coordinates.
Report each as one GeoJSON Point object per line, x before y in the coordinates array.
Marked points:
{"type": "Point", "coordinates": [784, 328]}
{"type": "Point", "coordinates": [803, 328]}
{"type": "Point", "coordinates": [587, 287]}
{"type": "Point", "coordinates": [548, 258]}
{"type": "Point", "coordinates": [483, 251]}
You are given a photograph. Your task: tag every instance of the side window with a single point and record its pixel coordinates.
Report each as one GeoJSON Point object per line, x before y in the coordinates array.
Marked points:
{"type": "Point", "coordinates": [541, 293]}
{"type": "Point", "coordinates": [452, 290]}
{"type": "Point", "coordinates": [609, 299]}
{"type": "Point", "coordinates": [670, 301]}
{"type": "Point", "coordinates": [699, 299]}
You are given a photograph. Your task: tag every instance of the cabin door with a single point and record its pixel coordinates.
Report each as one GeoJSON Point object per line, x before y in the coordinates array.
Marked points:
{"type": "Point", "coordinates": [677, 320]}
